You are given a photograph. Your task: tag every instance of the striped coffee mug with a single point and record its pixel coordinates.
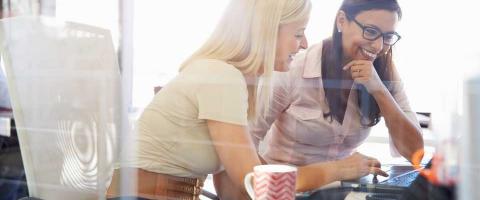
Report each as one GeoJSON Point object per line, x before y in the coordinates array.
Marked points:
{"type": "Point", "coordinates": [271, 182]}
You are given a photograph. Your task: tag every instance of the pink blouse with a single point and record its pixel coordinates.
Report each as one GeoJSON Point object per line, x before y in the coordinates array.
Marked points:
{"type": "Point", "coordinates": [298, 132]}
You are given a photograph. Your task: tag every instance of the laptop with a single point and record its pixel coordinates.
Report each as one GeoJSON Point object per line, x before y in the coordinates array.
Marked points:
{"type": "Point", "coordinates": [400, 177]}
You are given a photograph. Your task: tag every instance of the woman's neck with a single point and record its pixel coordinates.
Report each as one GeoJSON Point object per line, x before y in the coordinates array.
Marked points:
{"type": "Point", "coordinates": [251, 79]}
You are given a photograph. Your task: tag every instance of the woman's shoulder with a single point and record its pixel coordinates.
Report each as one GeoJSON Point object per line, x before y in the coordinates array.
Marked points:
{"type": "Point", "coordinates": [213, 70]}
{"type": "Point", "coordinates": [317, 47]}
{"type": "Point", "coordinates": [307, 62]}
{"type": "Point", "coordinates": [214, 67]}
{"type": "Point", "coordinates": [314, 50]}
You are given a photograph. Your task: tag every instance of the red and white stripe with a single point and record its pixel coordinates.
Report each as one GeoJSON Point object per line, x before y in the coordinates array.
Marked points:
{"type": "Point", "coordinates": [275, 186]}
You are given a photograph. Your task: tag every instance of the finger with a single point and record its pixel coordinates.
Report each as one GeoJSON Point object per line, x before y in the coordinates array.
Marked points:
{"type": "Point", "coordinates": [350, 64]}
{"type": "Point", "coordinates": [359, 69]}
{"type": "Point", "coordinates": [356, 68]}
{"type": "Point", "coordinates": [378, 171]}
{"type": "Point", "coordinates": [356, 74]}
{"type": "Point", "coordinates": [358, 63]}
{"type": "Point", "coordinates": [374, 163]}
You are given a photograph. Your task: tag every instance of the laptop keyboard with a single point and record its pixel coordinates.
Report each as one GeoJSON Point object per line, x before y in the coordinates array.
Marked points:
{"type": "Point", "coordinates": [403, 180]}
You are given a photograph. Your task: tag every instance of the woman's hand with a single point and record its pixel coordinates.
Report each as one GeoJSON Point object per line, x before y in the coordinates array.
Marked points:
{"type": "Point", "coordinates": [363, 72]}
{"type": "Point", "coordinates": [358, 165]}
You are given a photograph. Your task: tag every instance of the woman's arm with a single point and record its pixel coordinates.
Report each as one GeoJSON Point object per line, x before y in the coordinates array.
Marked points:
{"type": "Point", "coordinates": [236, 153]}
{"type": "Point", "coordinates": [238, 156]}
{"type": "Point", "coordinates": [319, 174]}
{"type": "Point", "coordinates": [406, 136]}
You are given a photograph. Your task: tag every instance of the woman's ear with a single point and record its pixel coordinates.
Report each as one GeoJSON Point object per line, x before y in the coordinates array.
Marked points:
{"type": "Point", "coordinates": [340, 20]}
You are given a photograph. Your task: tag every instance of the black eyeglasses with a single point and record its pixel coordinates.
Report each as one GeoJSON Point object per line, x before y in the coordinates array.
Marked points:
{"type": "Point", "coordinates": [373, 33]}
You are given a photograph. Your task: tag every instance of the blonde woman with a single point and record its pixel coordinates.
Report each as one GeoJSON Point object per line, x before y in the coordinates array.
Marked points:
{"type": "Point", "coordinates": [196, 125]}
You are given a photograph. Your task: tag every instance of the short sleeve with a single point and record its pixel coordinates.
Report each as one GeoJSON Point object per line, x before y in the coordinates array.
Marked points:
{"type": "Point", "coordinates": [223, 96]}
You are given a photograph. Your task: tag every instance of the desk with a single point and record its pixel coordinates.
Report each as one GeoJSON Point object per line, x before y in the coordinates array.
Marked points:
{"type": "Point", "coordinates": [337, 193]}
{"type": "Point", "coordinates": [356, 196]}
{"type": "Point", "coordinates": [335, 187]}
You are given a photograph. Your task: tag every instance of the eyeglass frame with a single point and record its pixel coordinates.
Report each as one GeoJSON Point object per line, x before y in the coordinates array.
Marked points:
{"type": "Point", "coordinates": [363, 27]}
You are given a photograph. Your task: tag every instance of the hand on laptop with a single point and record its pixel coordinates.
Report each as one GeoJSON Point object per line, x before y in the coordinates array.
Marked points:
{"type": "Point", "coordinates": [358, 165]}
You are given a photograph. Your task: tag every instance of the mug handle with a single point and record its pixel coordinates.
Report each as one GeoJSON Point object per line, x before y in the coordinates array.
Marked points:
{"type": "Point", "coordinates": [247, 181]}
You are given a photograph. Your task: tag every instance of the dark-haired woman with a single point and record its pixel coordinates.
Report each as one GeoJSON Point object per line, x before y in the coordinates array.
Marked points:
{"type": "Point", "coordinates": [323, 108]}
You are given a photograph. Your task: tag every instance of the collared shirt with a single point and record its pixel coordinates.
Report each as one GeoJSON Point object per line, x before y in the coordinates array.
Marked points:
{"type": "Point", "coordinates": [299, 133]}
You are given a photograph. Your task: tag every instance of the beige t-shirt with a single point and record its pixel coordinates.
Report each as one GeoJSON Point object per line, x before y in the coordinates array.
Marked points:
{"type": "Point", "coordinates": [173, 136]}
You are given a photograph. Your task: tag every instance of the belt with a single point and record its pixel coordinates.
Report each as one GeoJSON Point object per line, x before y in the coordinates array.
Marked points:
{"type": "Point", "coordinates": [157, 186]}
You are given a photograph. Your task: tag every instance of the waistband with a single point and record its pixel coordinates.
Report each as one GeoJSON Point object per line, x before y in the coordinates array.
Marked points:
{"type": "Point", "coordinates": [157, 186]}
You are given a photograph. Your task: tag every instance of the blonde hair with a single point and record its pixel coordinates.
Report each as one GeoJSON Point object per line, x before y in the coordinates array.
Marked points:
{"type": "Point", "coordinates": [246, 38]}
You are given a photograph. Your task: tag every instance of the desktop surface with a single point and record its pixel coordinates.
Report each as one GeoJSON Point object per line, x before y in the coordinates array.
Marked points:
{"type": "Point", "coordinates": [337, 193]}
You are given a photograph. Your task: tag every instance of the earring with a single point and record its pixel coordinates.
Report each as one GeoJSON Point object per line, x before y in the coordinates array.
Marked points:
{"type": "Point", "coordinates": [339, 30]}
